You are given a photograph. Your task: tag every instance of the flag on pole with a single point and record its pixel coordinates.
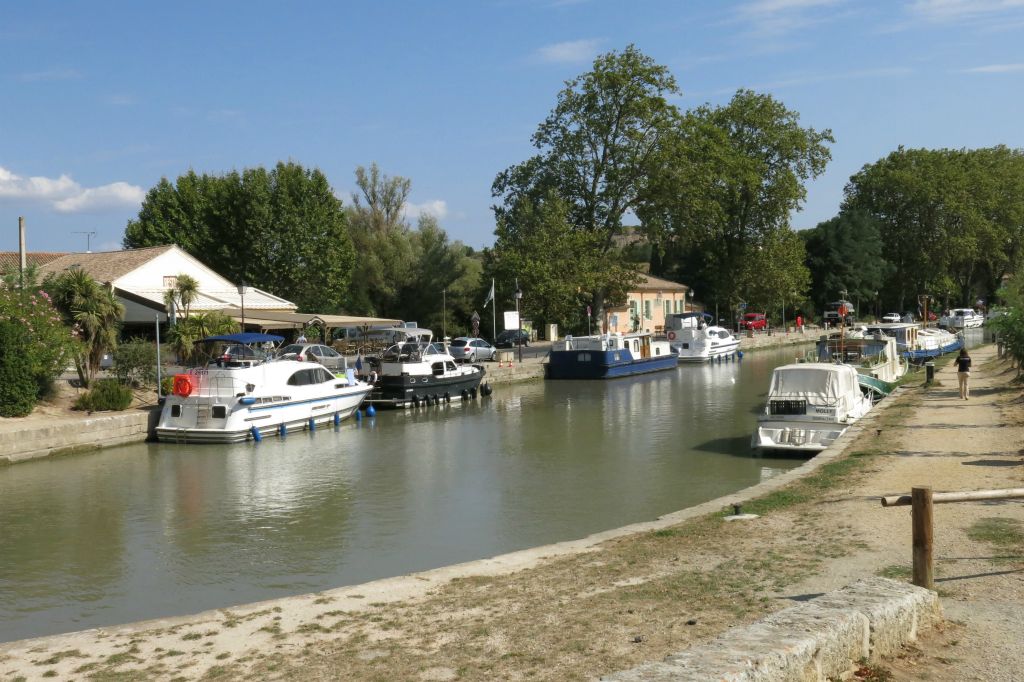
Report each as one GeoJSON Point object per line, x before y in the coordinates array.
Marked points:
{"type": "Point", "coordinates": [490, 296]}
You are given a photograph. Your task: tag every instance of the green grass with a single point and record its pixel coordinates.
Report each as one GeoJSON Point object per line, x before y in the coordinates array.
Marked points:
{"type": "Point", "coordinates": [827, 476]}
{"type": "Point", "coordinates": [896, 572]}
{"type": "Point", "coordinates": [997, 531]}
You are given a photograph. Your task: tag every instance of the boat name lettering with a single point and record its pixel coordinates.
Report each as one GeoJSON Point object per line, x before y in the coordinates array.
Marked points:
{"type": "Point", "coordinates": [199, 372]}
{"type": "Point", "coordinates": [825, 410]}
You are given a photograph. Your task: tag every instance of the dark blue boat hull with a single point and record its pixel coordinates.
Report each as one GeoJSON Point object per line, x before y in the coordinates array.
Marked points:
{"type": "Point", "coordinates": [578, 364]}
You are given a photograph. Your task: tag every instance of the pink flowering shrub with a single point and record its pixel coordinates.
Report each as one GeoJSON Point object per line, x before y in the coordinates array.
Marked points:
{"type": "Point", "coordinates": [45, 342]}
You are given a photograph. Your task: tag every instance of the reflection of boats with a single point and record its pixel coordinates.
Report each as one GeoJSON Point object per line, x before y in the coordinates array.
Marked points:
{"type": "Point", "coordinates": [809, 406]}
{"type": "Point", "coordinates": [962, 318]}
{"type": "Point", "coordinates": [918, 344]}
{"type": "Point", "coordinates": [694, 340]}
{"type": "Point", "coordinates": [607, 356]}
{"type": "Point", "coordinates": [417, 370]}
{"type": "Point", "coordinates": [240, 395]}
{"type": "Point", "coordinates": [875, 357]}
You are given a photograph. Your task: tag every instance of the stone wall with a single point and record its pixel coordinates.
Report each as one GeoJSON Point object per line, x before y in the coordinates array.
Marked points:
{"type": "Point", "coordinates": [72, 434]}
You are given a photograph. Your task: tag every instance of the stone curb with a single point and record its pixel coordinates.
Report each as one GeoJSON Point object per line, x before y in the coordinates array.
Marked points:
{"type": "Point", "coordinates": [815, 640]}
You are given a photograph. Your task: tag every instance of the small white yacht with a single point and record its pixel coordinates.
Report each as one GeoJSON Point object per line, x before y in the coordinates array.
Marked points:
{"type": "Point", "coordinates": [809, 406]}
{"type": "Point", "coordinates": [693, 339]}
{"type": "Point", "coordinates": [241, 394]}
{"type": "Point", "coordinates": [962, 318]}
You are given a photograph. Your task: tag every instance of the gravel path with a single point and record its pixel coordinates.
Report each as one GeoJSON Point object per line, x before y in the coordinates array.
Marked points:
{"type": "Point", "coordinates": [951, 444]}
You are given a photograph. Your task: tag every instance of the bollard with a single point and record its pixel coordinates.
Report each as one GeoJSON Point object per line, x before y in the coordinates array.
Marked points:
{"type": "Point", "coordinates": [929, 372]}
{"type": "Point", "coordinates": [921, 527]}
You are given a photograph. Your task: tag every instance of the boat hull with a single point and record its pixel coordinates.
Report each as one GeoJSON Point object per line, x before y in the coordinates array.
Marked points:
{"type": "Point", "coordinates": [794, 436]}
{"type": "Point", "coordinates": [406, 391]}
{"type": "Point", "coordinates": [603, 365]}
{"type": "Point", "coordinates": [194, 423]}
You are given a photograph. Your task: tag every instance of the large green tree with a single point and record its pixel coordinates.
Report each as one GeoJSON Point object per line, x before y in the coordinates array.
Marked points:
{"type": "Point", "coordinates": [734, 175]}
{"type": "Point", "coordinates": [846, 253]}
{"type": "Point", "coordinates": [952, 221]}
{"type": "Point", "coordinates": [597, 150]}
{"type": "Point", "coordinates": [282, 230]}
{"type": "Point", "coordinates": [558, 268]}
{"type": "Point", "coordinates": [382, 242]}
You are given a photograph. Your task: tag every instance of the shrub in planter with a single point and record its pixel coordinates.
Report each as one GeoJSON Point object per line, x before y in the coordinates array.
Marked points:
{"type": "Point", "coordinates": [19, 389]}
{"type": "Point", "coordinates": [167, 385]}
{"type": "Point", "coordinates": [106, 394]}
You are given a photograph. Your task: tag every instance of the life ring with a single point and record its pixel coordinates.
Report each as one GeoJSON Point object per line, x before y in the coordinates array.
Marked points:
{"type": "Point", "coordinates": [671, 336]}
{"type": "Point", "coordinates": [182, 385]}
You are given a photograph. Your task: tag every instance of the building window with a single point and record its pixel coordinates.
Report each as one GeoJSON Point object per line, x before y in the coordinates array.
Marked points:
{"type": "Point", "coordinates": [647, 310]}
{"type": "Point", "coordinates": [668, 308]}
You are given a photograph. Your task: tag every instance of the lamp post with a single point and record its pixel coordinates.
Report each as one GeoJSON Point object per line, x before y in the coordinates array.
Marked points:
{"type": "Point", "coordinates": [242, 288]}
{"type": "Point", "coordinates": [690, 294]}
{"type": "Point", "coordinates": [519, 320]}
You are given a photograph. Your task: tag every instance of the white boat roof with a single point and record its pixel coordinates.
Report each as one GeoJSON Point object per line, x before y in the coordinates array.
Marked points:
{"type": "Point", "coordinates": [814, 381]}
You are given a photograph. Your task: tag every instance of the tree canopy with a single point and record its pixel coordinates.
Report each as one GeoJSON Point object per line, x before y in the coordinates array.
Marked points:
{"type": "Point", "coordinates": [951, 221]}
{"type": "Point", "coordinates": [281, 230]}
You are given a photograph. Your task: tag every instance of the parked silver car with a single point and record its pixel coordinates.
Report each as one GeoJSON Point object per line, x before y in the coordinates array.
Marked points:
{"type": "Point", "coordinates": [313, 352]}
{"type": "Point", "coordinates": [468, 349]}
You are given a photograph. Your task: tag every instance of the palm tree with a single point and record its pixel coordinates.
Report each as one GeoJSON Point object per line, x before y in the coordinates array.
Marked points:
{"type": "Point", "coordinates": [188, 292]}
{"type": "Point", "coordinates": [95, 315]}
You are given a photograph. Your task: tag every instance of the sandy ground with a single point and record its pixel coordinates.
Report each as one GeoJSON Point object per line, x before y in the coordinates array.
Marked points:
{"type": "Point", "coordinates": [611, 603]}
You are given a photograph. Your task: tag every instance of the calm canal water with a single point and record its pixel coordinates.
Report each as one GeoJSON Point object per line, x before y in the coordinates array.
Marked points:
{"type": "Point", "coordinates": [152, 530]}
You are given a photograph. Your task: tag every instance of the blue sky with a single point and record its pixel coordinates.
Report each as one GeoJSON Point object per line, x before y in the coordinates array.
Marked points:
{"type": "Point", "coordinates": [100, 100]}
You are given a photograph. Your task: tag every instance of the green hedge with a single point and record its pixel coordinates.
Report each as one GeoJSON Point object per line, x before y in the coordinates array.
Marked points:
{"type": "Point", "coordinates": [19, 389]}
{"type": "Point", "coordinates": [106, 394]}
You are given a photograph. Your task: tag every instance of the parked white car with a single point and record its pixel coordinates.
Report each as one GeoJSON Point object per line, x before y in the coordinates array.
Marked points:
{"type": "Point", "coordinates": [891, 317]}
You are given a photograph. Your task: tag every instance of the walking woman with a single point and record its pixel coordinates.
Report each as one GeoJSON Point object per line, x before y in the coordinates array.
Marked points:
{"type": "Point", "coordinates": [963, 373]}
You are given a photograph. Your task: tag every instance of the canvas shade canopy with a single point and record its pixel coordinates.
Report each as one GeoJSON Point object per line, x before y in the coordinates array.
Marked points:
{"type": "Point", "coordinates": [267, 319]}
{"type": "Point", "coordinates": [822, 383]}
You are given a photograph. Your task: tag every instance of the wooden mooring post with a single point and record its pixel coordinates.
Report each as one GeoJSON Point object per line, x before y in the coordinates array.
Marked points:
{"type": "Point", "coordinates": [921, 501]}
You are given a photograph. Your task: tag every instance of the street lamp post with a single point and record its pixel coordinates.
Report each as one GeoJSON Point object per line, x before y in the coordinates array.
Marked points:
{"type": "Point", "coordinates": [690, 294]}
{"type": "Point", "coordinates": [242, 288]}
{"type": "Point", "coordinates": [519, 320]}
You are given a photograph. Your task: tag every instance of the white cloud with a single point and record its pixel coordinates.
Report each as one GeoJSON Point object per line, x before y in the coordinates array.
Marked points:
{"type": "Point", "coordinates": [570, 52]}
{"type": "Point", "coordinates": [437, 208]}
{"type": "Point", "coordinates": [994, 68]}
{"type": "Point", "coordinates": [67, 196]}
{"type": "Point", "coordinates": [49, 75]}
{"type": "Point", "coordinates": [779, 17]}
{"type": "Point", "coordinates": [959, 10]}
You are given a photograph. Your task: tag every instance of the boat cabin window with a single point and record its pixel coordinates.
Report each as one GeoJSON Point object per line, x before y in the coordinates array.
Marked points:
{"type": "Point", "coordinates": [437, 368]}
{"type": "Point", "coordinates": [308, 377]}
{"type": "Point", "coordinates": [583, 357]}
{"type": "Point", "coordinates": [220, 411]}
{"type": "Point", "coordinates": [450, 366]}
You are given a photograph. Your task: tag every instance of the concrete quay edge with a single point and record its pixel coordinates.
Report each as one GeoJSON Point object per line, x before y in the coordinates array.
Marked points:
{"type": "Point", "coordinates": [73, 434]}
{"type": "Point", "coordinates": [816, 640]}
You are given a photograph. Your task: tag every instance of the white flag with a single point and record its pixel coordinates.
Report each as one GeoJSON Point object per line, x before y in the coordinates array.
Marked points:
{"type": "Point", "coordinates": [490, 296]}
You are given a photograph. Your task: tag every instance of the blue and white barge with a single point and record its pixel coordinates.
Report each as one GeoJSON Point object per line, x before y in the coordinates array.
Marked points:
{"type": "Point", "coordinates": [609, 356]}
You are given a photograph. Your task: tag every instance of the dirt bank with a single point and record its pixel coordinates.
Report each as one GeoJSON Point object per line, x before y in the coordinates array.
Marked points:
{"type": "Point", "coordinates": [638, 597]}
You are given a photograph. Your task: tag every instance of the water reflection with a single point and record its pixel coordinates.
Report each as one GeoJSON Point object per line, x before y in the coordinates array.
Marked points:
{"type": "Point", "coordinates": [151, 530]}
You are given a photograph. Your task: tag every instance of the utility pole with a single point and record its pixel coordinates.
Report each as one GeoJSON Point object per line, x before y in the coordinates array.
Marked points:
{"type": "Point", "coordinates": [88, 239]}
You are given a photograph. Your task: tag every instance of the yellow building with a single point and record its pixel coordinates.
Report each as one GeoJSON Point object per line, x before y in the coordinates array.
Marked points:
{"type": "Point", "coordinates": [647, 305]}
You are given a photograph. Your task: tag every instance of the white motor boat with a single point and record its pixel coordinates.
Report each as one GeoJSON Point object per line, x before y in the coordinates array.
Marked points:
{"type": "Point", "coordinates": [694, 340]}
{"type": "Point", "coordinates": [962, 318]}
{"type": "Point", "coordinates": [243, 395]}
{"type": "Point", "coordinates": [809, 406]}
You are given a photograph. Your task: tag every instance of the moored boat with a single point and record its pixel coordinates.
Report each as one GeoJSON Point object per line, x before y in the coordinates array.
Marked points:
{"type": "Point", "coordinates": [876, 358]}
{"type": "Point", "coordinates": [242, 394]}
{"type": "Point", "coordinates": [608, 356]}
{"type": "Point", "coordinates": [962, 318]}
{"type": "Point", "coordinates": [916, 344]}
{"type": "Point", "coordinates": [693, 339]}
{"type": "Point", "coordinates": [419, 370]}
{"type": "Point", "coordinates": [809, 406]}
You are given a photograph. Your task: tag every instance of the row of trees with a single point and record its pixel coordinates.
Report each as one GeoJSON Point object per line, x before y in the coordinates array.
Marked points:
{"type": "Point", "coordinates": [712, 189]}
{"type": "Point", "coordinates": [283, 230]}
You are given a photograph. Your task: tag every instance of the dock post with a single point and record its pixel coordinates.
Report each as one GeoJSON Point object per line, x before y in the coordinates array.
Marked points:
{"type": "Point", "coordinates": [921, 521]}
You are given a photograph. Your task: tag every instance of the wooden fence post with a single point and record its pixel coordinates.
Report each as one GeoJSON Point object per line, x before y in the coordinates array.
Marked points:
{"type": "Point", "coordinates": [921, 515]}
